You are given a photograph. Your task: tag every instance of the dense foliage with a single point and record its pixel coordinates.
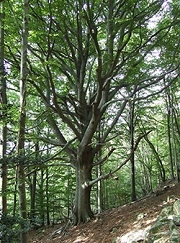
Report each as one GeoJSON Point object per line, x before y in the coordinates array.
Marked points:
{"type": "Point", "coordinates": [89, 106]}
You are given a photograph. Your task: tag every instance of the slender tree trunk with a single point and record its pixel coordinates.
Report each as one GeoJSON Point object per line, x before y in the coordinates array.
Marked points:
{"type": "Point", "coordinates": [22, 201]}
{"type": "Point", "coordinates": [33, 187]}
{"type": "Point", "coordinates": [175, 132]}
{"type": "Point", "coordinates": [68, 197]}
{"type": "Point", "coordinates": [175, 150]}
{"type": "Point", "coordinates": [15, 192]}
{"type": "Point", "coordinates": [99, 190]}
{"type": "Point", "coordinates": [33, 196]}
{"type": "Point", "coordinates": [99, 171]}
{"type": "Point", "coordinates": [22, 122]}
{"type": "Point", "coordinates": [131, 128]}
{"type": "Point", "coordinates": [169, 113]}
{"type": "Point", "coordinates": [47, 197]}
{"type": "Point", "coordinates": [3, 101]}
{"type": "Point", "coordinates": [159, 161]}
{"type": "Point", "coordinates": [41, 198]}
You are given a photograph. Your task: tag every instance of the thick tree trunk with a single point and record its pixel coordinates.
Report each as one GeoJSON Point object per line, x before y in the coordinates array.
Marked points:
{"type": "Point", "coordinates": [82, 207]}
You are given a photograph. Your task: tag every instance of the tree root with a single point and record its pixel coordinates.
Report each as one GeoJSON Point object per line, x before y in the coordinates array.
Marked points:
{"type": "Point", "coordinates": [62, 230]}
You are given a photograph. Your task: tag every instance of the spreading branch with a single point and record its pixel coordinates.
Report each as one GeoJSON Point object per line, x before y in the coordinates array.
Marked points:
{"type": "Point", "coordinates": [109, 174]}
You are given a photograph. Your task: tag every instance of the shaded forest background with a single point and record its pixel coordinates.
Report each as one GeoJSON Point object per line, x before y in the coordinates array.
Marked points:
{"type": "Point", "coordinates": [90, 114]}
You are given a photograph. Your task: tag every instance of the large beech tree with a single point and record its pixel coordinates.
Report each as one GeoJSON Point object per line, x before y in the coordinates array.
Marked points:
{"type": "Point", "coordinates": [87, 59]}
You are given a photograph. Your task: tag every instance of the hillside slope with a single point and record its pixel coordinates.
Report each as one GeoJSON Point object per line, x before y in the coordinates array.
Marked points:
{"type": "Point", "coordinates": [118, 222]}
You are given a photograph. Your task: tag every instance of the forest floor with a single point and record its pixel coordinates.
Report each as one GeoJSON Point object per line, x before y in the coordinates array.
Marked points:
{"type": "Point", "coordinates": [115, 222]}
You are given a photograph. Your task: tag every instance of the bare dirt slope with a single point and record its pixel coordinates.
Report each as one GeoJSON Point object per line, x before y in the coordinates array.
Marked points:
{"type": "Point", "coordinates": [115, 222]}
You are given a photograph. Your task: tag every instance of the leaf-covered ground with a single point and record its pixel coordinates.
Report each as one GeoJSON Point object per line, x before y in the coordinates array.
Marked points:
{"type": "Point", "coordinates": [117, 222]}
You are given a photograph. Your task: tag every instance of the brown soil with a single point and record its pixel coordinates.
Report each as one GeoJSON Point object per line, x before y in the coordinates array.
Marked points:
{"type": "Point", "coordinates": [115, 222]}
